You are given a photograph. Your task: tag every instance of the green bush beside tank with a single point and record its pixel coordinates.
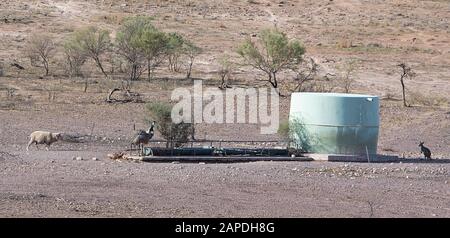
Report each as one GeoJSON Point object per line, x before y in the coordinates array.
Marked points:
{"type": "Point", "coordinates": [335, 123]}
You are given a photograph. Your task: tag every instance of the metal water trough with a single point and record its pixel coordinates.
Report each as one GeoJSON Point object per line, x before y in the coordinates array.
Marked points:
{"type": "Point", "coordinates": [222, 154]}
{"type": "Point", "coordinates": [218, 151]}
{"type": "Point", "coordinates": [202, 151]}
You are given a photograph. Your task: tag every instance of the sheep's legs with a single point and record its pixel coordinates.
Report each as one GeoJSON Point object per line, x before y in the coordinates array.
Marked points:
{"type": "Point", "coordinates": [29, 143]}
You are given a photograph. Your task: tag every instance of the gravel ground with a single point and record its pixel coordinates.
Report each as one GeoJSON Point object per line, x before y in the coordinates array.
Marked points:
{"type": "Point", "coordinates": [53, 184]}
{"type": "Point", "coordinates": [43, 183]}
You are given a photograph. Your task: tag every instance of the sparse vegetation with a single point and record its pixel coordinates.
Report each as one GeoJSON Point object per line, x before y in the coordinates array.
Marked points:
{"type": "Point", "coordinates": [39, 50]}
{"type": "Point", "coordinates": [431, 100]}
{"type": "Point", "coordinates": [91, 42]}
{"type": "Point", "coordinates": [306, 72]}
{"type": "Point", "coordinates": [225, 71]}
{"type": "Point", "coordinates": [154, 45]}
{"type": "Point", "coordinates": [283, 130]}
{"type": "Point", "coordinates": [381, 34]}
{"type": "Point", "coordinates": [344, 43]}
{"type": "Point", "coordinates": [128, 43]}
{"type": "Point", "coordinates": [191, 51]}
{"type": "Point", "coordinates": [175, 133]}
{"type": "Point", "coordinates": [252, 2]}
{"type": "Point", "coordinates": [11, 100]}
{"type": "Point", "coordinates": [75, 58]}
{"type": "Point", "coordinates": [406, 73]}
{"type": "Point", "coordinates": [273, 53]}
{"type": "Point", "coordinates": [346, 75]}
{"type": "Point", "coordinates": [295, 132]}
{"type": "Point", "coordinates": [145, 47]}
{"type": "Point", "coordinates": [174, 51]}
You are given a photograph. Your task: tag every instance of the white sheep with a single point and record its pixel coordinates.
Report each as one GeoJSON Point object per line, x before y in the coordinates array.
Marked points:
{"type": "Point", "coordinates": [44, 137]}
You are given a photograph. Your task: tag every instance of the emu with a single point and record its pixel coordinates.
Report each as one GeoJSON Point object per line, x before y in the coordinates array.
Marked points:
{"type": "Point", "coordinates": [142, 138]}
{"type": "Point", "coordinates": [426, 152]}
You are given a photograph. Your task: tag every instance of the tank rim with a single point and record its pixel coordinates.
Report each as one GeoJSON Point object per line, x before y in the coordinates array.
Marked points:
{"type": "Point", "coordinates": [349, 95]}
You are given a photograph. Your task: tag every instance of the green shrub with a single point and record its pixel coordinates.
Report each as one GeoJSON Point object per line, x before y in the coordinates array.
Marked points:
{"type": "Point", "coordinates": [283, 129]}
{"type": "Point", "coordinates": [295, 132]}
{"type": "Point", "coordinates": [175, 134]}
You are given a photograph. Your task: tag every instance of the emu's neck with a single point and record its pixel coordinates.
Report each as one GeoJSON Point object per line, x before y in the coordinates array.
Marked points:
{"type": "Point", "coordinates": [150, 130]}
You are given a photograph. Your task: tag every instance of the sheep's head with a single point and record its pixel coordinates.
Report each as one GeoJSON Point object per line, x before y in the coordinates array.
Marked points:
{"type": "Point", "coordinates": [58, 136]}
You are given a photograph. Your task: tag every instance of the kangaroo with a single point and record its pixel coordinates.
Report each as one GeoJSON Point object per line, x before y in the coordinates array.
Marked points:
{"type": "Point", "coordinates": [426, 152]}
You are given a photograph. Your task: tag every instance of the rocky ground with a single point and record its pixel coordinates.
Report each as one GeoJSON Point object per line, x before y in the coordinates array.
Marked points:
{"type": "Point", "coordinates": [52, 184]}
{"type": "Point", "coordinates": [55, 183]}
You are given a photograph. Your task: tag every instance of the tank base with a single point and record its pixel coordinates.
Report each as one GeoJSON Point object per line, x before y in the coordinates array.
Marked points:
{"type": "Point", "coordinates": [353, 158]}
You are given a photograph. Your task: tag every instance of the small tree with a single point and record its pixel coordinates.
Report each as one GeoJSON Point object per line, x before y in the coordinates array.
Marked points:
{"type": "Point", "coordinates": [129, 46]}
{"type": "Point", "coordinates": [93, 42]}
{"type": "Point", "coordinates": [306, 72]}
{"type": "Point", "coordinates": [406, 73]}
{"type": "Point", "coordinates": [175, 134]}
{"type": "Point", "coordinates": [75, 58]}
{"type": "Point", "coordinates": [225, 71]}
{"type": "Point", "coordinates": [174, 50]}
{"type": "Point", "coordinates": [347, 80]}
{"type": "Point", "coordinates": [39, 50]}
{"type": "Point", "coordinates": [272, 53]}
{"type": "Point", "coordinates": [154, 44]}
{"type": "Point", "coordinates": [191, 51]}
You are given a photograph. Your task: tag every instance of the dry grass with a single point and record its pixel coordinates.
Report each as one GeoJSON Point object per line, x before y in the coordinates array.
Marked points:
{"type": "Point", "coordinates": [431, 100]}
{"type": "Point", "coordinates": [10, 99]}
{"type": "Point", "coordinates": [344, 44]}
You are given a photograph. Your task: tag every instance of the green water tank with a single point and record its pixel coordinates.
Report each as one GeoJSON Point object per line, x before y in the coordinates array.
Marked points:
{"type": "Point", "coordinates": [335, 123]}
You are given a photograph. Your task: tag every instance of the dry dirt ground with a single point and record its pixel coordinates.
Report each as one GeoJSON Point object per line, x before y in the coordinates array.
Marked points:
{"type": "Point", "coordinates": [378, 34]}
{"type": "Point", "coordinates": [53, 185]}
